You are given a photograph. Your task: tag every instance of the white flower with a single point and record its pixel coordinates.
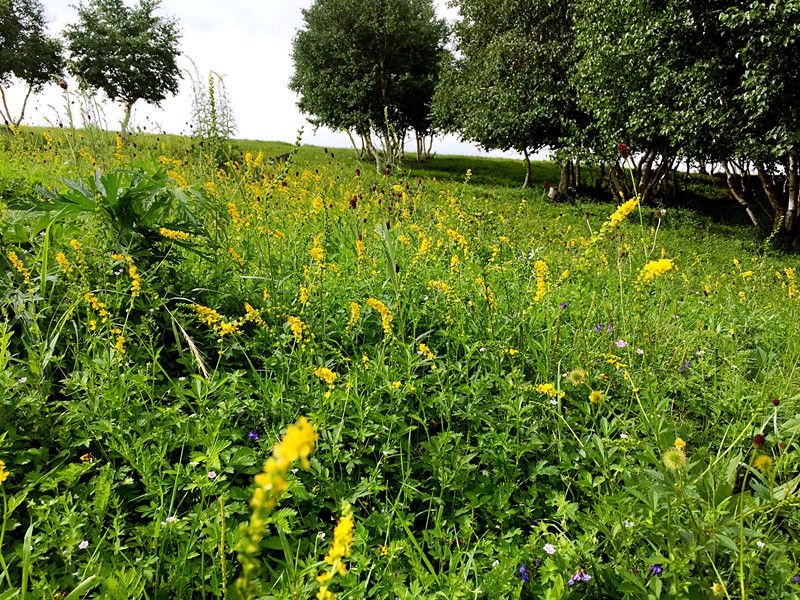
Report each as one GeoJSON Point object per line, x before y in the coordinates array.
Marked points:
{"type": "Point", "coordinates": [22, 380]}
{"type": "Point", "coordinates": [495, 563]}
{"type": "Point", "coordinates": [628, 524]}
{"type": "Point", "coordinates": [170, 519]}
{"type": "Point", "coordinates": [549, 548]}
{"type": "Point", "coordinates": [623, 436]}
{"type": "Point", "coordinates": [212, 474]}
{"type": "Point", "coordinates": [760, 544]}
{"type": "Point", "coordinates": [83, 545]}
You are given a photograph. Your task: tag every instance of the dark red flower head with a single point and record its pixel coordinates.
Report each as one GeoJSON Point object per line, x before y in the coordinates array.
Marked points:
{"type": "Point", "coordinates": [623, 150]}
{"type": "Point", "coordinates": [62, 84]}
{"type": "Point", "coordinates": [758, 440]}
{"type": "Point", "coordinates": [776, 402]}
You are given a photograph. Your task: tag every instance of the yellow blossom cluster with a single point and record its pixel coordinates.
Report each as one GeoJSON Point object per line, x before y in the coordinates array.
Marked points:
{"type": "Point", "coordinates": [20, 267]}
{"type": "Point", "coordinates": [296, 444]}
{"type": "Point", "coordinates": [540, 268]}
{"type": "Point", "coordinates": [220, 324]}
{"type": "Point", "coordinates": [3, 473]}
{"type": "Point", "coordinates": [653, 269]}
{"type": "Point", "coordinates": [339, 550]}
{"type": "Point", "coordinates": [297, 326]}
{"type": "Point", "coordinates": [172, 234]}
{"type": "Point", "coordinates": [326, 375]}
{"type": "Point", "coordinates": [383, 311]}
{"type": "Point", "coordinates": [549, 390]}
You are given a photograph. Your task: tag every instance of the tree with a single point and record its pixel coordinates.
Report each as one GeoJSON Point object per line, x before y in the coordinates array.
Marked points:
{"type": "Point", "coordinates": [129, 53]}
{"type": "Point", "coordinates": [369, 67]}
{"type": "Point", "coordinates": [509, 88]}
{"type": "Point", "coordinates": [26, 52]}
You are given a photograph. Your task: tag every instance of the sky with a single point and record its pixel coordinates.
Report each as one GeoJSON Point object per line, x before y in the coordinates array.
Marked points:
{"type": "Point", "coordinates": [249, 43]}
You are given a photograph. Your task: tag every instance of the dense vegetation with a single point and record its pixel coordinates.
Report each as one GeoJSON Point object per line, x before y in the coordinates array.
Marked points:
{"type": "Point", "coordinates": [505, 397]}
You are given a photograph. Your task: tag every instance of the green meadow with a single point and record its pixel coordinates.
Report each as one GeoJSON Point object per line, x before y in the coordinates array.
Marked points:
{"type": "Point", "coordinates": [282, 375]}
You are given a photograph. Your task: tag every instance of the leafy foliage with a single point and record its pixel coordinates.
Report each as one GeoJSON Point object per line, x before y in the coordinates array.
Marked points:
{"type": "Point", "coordinates": [129, 53]}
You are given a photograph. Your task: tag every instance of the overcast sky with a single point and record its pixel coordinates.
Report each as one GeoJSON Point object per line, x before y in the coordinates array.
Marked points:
{"type": "Point", "coordinates": [246, 41]}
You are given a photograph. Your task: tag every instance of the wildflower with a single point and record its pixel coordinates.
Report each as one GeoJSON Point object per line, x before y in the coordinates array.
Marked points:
{"type": "Point", "coordinates": [62, 261]}
{"type": "Point", "coordinates": [549, 390]}
{"type": "Point", "coordinates": [796, 579]}
{"type": "Point", "coordinates": [523, 574]}
{"type": "Point", "coordinates": [718, 589]}
{"type": "Point", "coordinates": [657, 569]}
{"type": "Point", "coordinates": [580, 575]}
{"type": "Point", "coordinates": [760, 544]}
{"type": "Point", "coordinates": [623, 150]}
{"type": "Point", "coordinates": [563, 306]}
{"type": "Point", "coordinates": [3, 472]}
{"type": "Point", "coordinates": [679, 443]}
{"type": "Point", "coordinates": [577, 377]}
{"type": "Point", "coordinates": [654, 268]}
{"type": "Point", "coordinates": [621, 343]}
{"type": "Point", "coordinates": [426, 353]}
{"type": "Point", "coordinates": [639, 351]}
{"type": "Point", "coordinates": [171, 234]}
{"type": "Point", "coordinates": [628, 524]}
{"type": "Point", "coordinates": [383, 311]}
{"type": "Point", "coordinates": [297, 326]}
{"type": "Point", "coordinates": [758, 440]}
{"type": "Point", "coordinates": [595, 397]}
{"type": "Point", "coordinates": [212, 474]}
{"type": "Point", "coordinates": [609, 327]}
{"type": "Point", "coordinates": [253, 435]}
{"type": "Point", "coordinates": [598, 327]}
{"type": "Point", "coordinates": [763, 463]}
{"type": "Point", "coordinates": [326, 375]}
{"type": "Point", "coordinates": [83, 545]}
{"type": "Point", "coordinates": [549, 548]}
{"type": "Point", "coordinates": [170, 519]}
{"type": "Point", "coordinates": [674, 458]}
{"type": "Point", "coordinates": [623, 210]}
{"type": "Point", "coordinates": [540, 268]}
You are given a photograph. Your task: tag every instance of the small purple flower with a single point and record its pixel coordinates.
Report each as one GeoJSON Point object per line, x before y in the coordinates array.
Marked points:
{"type": "Point", "coordinates": [83, 545]}
{"type": "Point", "coordinates": [639, 351]}
{"type": "Point", "coordinates": [549, 548]}
{"type": "Point", "coordinates": [796, 579]}
{"type": "Point", "coordinates": [523, 574]}
{"type": "Point", "coordinates": [621, 343]}
{"type": "Point", "coordinates": [212, 474]}
{"type": "Point", "coordinates": [598, 327]}
{"type": "Point", "coordinates": [685, 366]}
{"type": "Point", "coordinates": [657, 569]}
{"type": "Point", "coordinates": [563, 305]}
{"type": "Point", "coordinates": [610, 327]}
{"type": "Point", "coordinates": [580, 575]}
{"type": "Point", "coordinates": [253, 435]}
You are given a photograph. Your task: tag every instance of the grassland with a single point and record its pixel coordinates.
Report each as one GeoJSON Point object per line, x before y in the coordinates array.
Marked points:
{"type": "Point", "coordinates": [505, 397]}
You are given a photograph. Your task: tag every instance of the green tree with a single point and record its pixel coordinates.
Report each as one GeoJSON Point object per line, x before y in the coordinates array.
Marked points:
{"type": "Point", "coordinates": [27, 54]}
{"type": "Point", "coordinates": [130, 53]}
{"type": "Point", "coordinates": [369, 67]}
{"type": "Point", "coordinates": [510, 86]}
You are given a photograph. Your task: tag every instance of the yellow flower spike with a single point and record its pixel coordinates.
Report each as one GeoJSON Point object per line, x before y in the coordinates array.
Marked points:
{"type": "Point", "coordinates": [3, 473]}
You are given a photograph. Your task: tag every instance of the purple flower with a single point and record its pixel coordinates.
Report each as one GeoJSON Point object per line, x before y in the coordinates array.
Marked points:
{"type": "Point", "coordinates": [657, 569]}
{"type": "Point", "coordinates": [621, 343]}
{"type": "Point", "coordinates": [212, 474]}
{"type": "Point", "coordinates": [253, 436]}
{"type": "Point", "coordinates": [610, 327]}
{"type": "Point", "coordinates": [580, 575]}
{"type": "Point", "coordinates": [563, 305]}
{"type": "Point", "coordinates": [796, 579]}
{"type": "Point", "coordinates": [685, 366]}
{"type": "Point", "coordinates": [549, 548]}
{"type": "Point", "coordinates": [598, 327]}
{"type": "Point", "coordinates": [523, 574]}
{"type": "Point", "coordinates": [83, 545]}
{"type": "Point", "coordinates": [639, 351]}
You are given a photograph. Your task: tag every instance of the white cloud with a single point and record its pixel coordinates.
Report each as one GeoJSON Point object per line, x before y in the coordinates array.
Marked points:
{"type": "Point", "coordinates": [247, 42]}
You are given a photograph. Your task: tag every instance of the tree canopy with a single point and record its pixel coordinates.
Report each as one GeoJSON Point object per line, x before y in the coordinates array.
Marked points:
{"type": "Point", "coordinates": [369, 67]}
{"type": "Point", "coordinates": [27, 53]}
{"type": "Point", "coordinates": [130, 53]}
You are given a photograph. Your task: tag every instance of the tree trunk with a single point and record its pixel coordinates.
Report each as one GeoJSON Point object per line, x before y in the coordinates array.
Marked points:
{"type": "Point", "coordinates": [126, 119]}
{"type": "Point", "coordinates": [527, 181]}
{"type": "Point", "coordinates": [773, 196]}
{"type": "Point", "coordinates": [792, 175]}
{"type": "Point", "coordinates": [565, 178]}
{"type": "Point", "coordinates": [420, 146]}
{"type": "Point", "coordinates": [7, 117]}
{"type": "Point", "coordinates": [430, 148]}
{"type": "Point", "coordinates": [738, 189]}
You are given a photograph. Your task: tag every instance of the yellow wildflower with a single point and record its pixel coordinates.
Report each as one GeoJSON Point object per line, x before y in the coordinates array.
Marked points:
{"type": "Point", "coordinates": [718, 589]}
{"type": "Point", "coordinates": [172, 234]}
{"type": "Point", "coordinates": [62, 261]}
{"type": "Point", "coordinates": [763, 463]}
{"type": "Point", "coordinates": [595, 397]}
{"type": "Point", "coordinates": [674, 458]}
{"type": "Point", "coordinates": [383, 311]}
{"type": "Point", "coordinates": [297, 326]}
{"type": "Point", "coordinates": [424, 351]}
{"type": "Point", "coordinates": [355, 312]}
{"type": "Point", "coordinates": [3, 473]}
{"type": "Point", "coordinates": [540, 268]}
{"type": "Point", "coordinates": [653, 269]}
{"type": "Point", "coordinates": [326, 375]}
{"type": "Point", "coordinates": [679, 443]}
